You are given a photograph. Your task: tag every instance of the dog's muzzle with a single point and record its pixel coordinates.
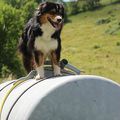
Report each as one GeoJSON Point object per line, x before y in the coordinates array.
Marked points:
{"type": "Point", "coordinates": [56, 22]}
{"type": "Point", "coordinates": [58, 19]}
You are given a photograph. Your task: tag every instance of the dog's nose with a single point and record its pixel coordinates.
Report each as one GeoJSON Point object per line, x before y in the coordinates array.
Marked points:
{"type": "Point", "coordinates": [59, 20]}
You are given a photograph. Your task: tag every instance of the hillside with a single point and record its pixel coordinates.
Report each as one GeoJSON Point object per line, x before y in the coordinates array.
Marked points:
{"type": "Point", "coordinates": [91, 41]}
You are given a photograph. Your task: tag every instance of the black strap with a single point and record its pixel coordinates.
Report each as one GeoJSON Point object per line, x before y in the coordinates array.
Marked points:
{"type": "Point", "coordinates": [23, 94]}
{"type": "Point", "coordinates": [6, 85]}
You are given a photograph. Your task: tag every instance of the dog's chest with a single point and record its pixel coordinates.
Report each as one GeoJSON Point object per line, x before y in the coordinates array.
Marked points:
{"type": "Point", "coordinates": [45, 43]}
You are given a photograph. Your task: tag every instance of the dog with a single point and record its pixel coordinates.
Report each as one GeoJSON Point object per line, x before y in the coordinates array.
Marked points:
{"type": "Point", "coordinates": [41, 39]}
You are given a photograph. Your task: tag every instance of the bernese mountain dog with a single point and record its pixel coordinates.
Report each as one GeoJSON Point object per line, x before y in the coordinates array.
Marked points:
{"type": "Point", "coordinates": [41, 38]}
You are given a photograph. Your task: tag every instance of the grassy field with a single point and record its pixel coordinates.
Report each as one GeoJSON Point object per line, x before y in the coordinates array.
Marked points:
{"type": "Point", "coordinates": [92, 47]}
{"type": "Point", "coordinates": [91, 41]}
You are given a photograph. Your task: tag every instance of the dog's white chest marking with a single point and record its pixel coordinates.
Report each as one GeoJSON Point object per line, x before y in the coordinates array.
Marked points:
{"type": "Point", "coordinates": [45, 43]}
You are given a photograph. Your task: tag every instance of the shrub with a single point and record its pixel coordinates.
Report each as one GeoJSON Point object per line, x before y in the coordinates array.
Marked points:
{"type": "Point", "coordinates": [91, 4]}
{"type": "Point", "coordinates": [103, 21]}
{"type": "Point", "coordinates": [118, 43]}
{"type": "Point", "coordinates": [5, 72]}
{"type": "Point", "coordinates": [96, 46]}
{"type": "Point", "coordinates": [113, 30]}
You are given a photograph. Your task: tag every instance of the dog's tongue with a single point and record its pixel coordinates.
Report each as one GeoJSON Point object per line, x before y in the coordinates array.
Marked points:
{"type": "Point", "coordinates": [54, 24]}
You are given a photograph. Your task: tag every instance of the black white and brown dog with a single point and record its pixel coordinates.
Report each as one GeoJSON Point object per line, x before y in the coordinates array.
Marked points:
{"type": "Point", "coordinates": [41, 38]}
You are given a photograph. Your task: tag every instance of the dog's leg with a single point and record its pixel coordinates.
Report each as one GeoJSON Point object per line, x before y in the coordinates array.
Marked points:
{"type": "Point", "coordinates": [40, 58]}
{"type": "Point", "coordinates": [27, 56]}
{"type": "Point", "coordinates": [55, 63]}
{"type": "Point", "coordinates": [29, 62]}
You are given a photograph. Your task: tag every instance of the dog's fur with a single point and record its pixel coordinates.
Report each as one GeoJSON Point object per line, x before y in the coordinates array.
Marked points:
{"type": "Point", "coordinates": [41, 38]}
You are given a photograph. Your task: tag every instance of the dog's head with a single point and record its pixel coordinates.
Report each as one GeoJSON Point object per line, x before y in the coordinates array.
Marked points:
{"type": "Point", "coordinates": [51, 13]}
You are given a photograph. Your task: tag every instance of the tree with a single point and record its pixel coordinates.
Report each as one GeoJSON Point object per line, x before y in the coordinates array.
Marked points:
{"type": "Point", "coordinates": [90, 4]}
{"type": "Point", "coordinates": [28, 10]}
{"type": "Point", "coordinates": [10, 25]}
{"type": "Point", "coordinates": [73, 7]}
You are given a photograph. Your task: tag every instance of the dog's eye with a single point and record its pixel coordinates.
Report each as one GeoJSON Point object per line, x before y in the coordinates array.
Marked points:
{"type": "Point", "coordinates": [52, 12]}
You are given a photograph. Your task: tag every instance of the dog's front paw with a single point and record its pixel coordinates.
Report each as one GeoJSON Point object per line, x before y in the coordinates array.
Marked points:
{"type": "Point", "coordinates": [40, 73]}
{"type": "Point", "coordinates": [57, 74]}
{"type": "Point", "coordinates": [57, 71]}
{"type": "Point", "coordinates": [39, 77]}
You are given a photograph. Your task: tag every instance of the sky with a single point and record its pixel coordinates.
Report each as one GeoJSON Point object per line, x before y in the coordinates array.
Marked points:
{"type": "Point", "coordinates": [69, 0]}
{"type": "Point", "coordinates": [66, 0]}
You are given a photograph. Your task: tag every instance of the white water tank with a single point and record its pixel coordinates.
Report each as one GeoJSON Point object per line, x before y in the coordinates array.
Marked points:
{"type": "Point", "coordinates": [74, 97]}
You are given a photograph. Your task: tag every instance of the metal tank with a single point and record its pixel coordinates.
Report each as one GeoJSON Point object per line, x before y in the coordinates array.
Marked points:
{"type": "Point", "coordinates": [68, 97]}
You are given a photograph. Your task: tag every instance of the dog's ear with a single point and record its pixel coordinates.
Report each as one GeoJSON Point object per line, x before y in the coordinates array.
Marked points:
{"type": "Point", "coordinates": [40, 9]}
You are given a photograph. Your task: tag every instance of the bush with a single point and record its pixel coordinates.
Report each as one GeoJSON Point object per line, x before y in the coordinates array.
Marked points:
{"type": "Point", "coordinates": [118, 44]}
{"type": "Point", "coordinates": [103, 21]}
{"type": "Point", "coordinates": [90, 4]}
{"type": "Point", "coordinates": [10, 26]}
{"type": "Point", "coordinates": [73, 8]}
{"type": "Point", "coordinates": [113, 30]}
{"type": "Point", "coordinates": [5, 72]}
{"type": "Point", "coordinates": [96, 46]}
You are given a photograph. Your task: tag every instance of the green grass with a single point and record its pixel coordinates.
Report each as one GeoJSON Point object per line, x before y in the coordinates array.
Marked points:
{"type": "Point", "coordinates": [87, 45]}
{"type": "Point", "coordinates": [105, 2]}
{"type": "Point", "coordinates": [91, 47]}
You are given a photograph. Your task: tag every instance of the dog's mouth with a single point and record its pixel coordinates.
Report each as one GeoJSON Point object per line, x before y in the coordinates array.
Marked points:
{"type": "Point", "coordinates": [56, 25]}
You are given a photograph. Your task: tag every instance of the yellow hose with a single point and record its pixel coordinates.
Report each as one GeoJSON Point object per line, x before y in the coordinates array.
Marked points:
{"type": "Point", "coordinates": [8, 93]}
